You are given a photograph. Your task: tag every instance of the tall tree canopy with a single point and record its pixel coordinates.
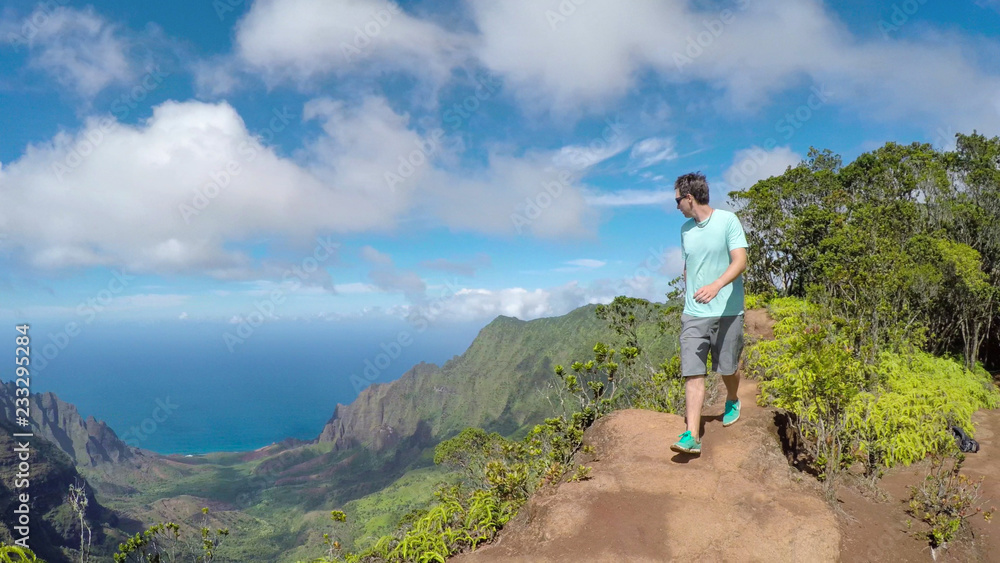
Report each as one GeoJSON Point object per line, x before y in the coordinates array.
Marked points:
{"type": "Point", "coordinates": [904, 243]}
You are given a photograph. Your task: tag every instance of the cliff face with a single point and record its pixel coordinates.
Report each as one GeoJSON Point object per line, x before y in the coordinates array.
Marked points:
{"type": "Point", "coordinates": [382, 415]}
{"type": "Point", "coordinates": [87, 442]}
{"type": "Point", "coordinates": [503, 382]}
{"type": "Point", "coordinates": [53, 527]}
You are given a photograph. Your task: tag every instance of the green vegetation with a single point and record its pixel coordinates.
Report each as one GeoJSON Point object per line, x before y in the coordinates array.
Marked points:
{"type": "Point", "coordinates": [895, 410]}
{"type": "Point", "coordinates": [883, 276]}
{"type": "Point", "coordinates": [162, 543]}
{"type": "Point", "coordinates": [15, 554]}
{"type": "Point", "coordinates": [946, 500]}
{"type": "Point", "coordinates": [902, 245]}
{"type": "Point", "coordinates": [379, 513]}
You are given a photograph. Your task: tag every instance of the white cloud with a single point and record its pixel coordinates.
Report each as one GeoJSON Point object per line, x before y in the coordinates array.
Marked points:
{"type": "Point", "coordinates": [484, 200]}
{"type": "Point", "coordinates": [622, 198]}
{"type": "Point", "coordinates": [192, 179]}
{"type": "Point", "coordinates": [474, 304]}
{"type": "Point", "coordinates": [569, 58]}
{"type": "Point", "coordinates": [403, 281]}
{"type": "Point", "coordinates": [523, 195]}
{"type": "Point", "coordinates": [584, 62]}
{"type": "Point", "coordinates": [654, 150]}
{"type": "Point", "coordinates": [582, 157]}
{"type": "Point", "coordinates": [266, 287]}
{"type": "Point", "coordinates": [587, 263]}
{"type": "Point", "coordinates": [302, 39]}
{"type": "Point", "coordinates": [462, 268]}
{"type": "Point", "coordinates": [372, 255]}
{"type": "Point", "coordinates": [183, 316]}
{"type": "Point", "coordinates": [753, 164]}
{"type": "Point", "coordinates": [78, 48]}
{"type": "Point", "coordinates": [355, 287]}
{"type": "Point", "coordinates": [387, 277]}
{"type": "Point", "coordinates": [590, 58]}
{"type": "Point", "coordinates": [482, 304]}
{"type": "Point", "coordinates": [671, 262]}
{"type": "Point", "coordinates": [215, 77]}
{"type": "Point", "coordinates": [169, 194]}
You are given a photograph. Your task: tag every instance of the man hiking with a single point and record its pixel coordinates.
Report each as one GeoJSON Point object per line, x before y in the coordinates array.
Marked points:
{"type": "Point", "coordinates": [714, 248]}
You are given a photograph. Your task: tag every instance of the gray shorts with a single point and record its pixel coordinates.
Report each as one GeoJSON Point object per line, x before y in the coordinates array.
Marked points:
{"type": "Point", "coordinates": [722, 335]}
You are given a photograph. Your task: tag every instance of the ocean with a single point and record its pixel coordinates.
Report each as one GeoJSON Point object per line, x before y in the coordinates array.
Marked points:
{"type": "Point", "coordinates": [176, 387]}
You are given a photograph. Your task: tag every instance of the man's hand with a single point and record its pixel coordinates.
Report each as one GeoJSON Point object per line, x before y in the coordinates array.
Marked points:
{"type": "Point", "coordinates": [707, 293]}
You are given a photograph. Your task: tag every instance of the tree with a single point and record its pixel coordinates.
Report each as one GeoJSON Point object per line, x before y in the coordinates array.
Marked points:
{"type": "Point", "coordinates": [78, 502]}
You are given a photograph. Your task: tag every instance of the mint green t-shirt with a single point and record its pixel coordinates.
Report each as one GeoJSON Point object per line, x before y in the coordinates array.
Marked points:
{"type": "Point", "coordinates": [705, 247]}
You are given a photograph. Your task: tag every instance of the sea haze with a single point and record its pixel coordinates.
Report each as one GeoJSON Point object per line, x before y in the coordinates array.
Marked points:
{"type": "Point", "coordinates": [284, 381]}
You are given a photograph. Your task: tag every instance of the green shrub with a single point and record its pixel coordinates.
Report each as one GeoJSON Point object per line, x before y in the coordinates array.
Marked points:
{"type": "Point", "coordinates": [459, 521]}
{"type": "Point", "coordinates": [910, 416]}
{"type": "Point", "coordinates": [757, 300]}
{"type": "Point", "coordinates": [664, 390]}
{"type": "Point", "coordinates": [643, 380]}
{"type": "Point", "coordinates": [162, 543]}
{"type": "Point", "coordinates": [946, 500]}
{"type": "Point", "coordinates": [16, 554]}
{"type": "Point", "coordinates": [893, 410]}
{"type": "Point", "coordinates": [814, 376]}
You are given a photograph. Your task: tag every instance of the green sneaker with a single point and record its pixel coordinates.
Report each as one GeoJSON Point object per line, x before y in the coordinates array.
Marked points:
{"type": "Point", "coordinates": [732, 413]}
{"type": "Point", "coordinates": [687, 444]}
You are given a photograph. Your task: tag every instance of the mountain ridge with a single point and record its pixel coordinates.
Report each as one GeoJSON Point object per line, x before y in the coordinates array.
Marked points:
{"type": "Point", "coordinates": [89, 442]}
{"type": "Point", "coordinates": [502, 381]}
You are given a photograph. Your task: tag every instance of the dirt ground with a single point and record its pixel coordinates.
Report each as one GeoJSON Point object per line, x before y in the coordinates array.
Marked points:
{"type": "Point", "coordinates": [878, 531]}
{"type": "Point", "coordinates": [737, 501]}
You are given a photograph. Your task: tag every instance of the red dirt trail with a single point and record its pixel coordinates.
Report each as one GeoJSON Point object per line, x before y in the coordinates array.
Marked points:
{"type": "Point", "coordinates": [738, 501]}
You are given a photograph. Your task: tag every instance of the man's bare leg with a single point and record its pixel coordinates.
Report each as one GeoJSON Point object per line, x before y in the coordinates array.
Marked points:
{"type": "Point", "coordinates": [732, 385]}
{"type": "Point", "coordinates": [694, 395]}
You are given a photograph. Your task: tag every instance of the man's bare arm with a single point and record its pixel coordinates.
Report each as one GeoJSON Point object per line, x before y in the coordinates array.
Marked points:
{"type": "Point", "coordinates": [737, 263]}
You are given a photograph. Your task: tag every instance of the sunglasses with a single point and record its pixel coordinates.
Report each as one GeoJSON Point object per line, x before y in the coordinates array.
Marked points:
{"type": "Point", "coordinates": [679, 199]}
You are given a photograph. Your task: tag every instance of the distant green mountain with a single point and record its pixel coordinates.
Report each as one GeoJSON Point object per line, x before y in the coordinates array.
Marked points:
{"type": "Point", "coordinates": [502, 383]}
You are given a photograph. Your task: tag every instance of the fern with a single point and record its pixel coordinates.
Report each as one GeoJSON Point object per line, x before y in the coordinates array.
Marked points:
{"type": "Point", "coordinates": [17, 554]}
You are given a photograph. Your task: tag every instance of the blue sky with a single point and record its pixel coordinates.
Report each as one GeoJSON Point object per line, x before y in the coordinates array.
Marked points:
{"type": "Point", "coordinates": [306, 159]}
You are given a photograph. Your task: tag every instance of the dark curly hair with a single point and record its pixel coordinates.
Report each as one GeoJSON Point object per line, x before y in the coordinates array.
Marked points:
{"type": "Point", "coordinates": [694, 184]}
